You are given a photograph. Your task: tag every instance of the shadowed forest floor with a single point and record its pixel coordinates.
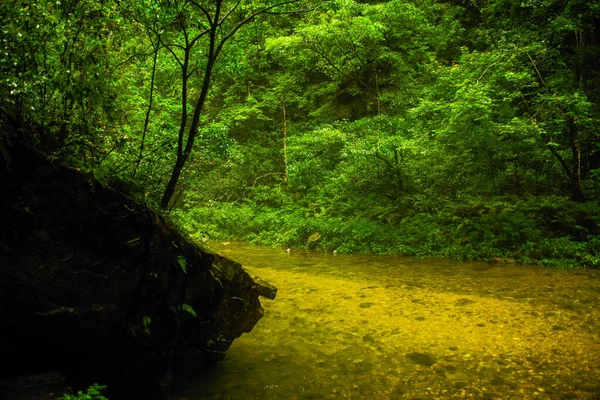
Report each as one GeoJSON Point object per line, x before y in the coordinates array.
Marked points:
{"type": "Point", "coordinates": [367, 327]}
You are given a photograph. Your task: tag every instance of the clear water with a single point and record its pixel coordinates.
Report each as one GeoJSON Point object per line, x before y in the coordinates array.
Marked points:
{"type": "Point", "coordinates": [373, 327]}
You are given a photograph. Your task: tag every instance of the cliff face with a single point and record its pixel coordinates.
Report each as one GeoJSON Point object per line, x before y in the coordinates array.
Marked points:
{"type": "Point", "coordinates": [100, 288]}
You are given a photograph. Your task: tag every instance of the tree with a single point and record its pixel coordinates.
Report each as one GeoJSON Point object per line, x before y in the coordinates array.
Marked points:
{"type": "Point", "coordinates": [554, 47]}
{"type": "Point", "coordinates": [209, 25]}
{"type": "Point", "coordinates": [58, 87]}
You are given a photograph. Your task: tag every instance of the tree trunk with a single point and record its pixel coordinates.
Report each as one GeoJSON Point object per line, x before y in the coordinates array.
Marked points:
{"type": "Point", "coordinates": [377, 94]}
{"type": "Point", "coordinates": [576, 192]}
{"type": "Point", "coordinates": [149, 110]}
{"type": "Point", "coordinates": [175, 174]}
{"type": "Point", "coordinates": [215, 47]}
{"type": "Point", "coordinates": [183, 154]}
{"type": "Point", "coordinates": [285, 161]}
{"type": "Point", "coordinates": [398, 173]}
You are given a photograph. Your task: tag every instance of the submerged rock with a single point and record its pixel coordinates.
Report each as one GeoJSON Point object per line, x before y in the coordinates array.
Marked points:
{"type": "Point", "coordinates": [500, 261]}
{"type": "Point", "coordinates": [463, 302]}
{"type": "Point", "coordinates": [312, 240]}
{"type": "Point", "coordinates": [101, 288]}
{"type": "Point", "coordinates": [421, 359]}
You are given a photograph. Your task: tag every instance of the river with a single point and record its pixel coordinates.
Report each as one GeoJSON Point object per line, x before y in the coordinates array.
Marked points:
{"type": "Point", "coordinates": [384, 327]}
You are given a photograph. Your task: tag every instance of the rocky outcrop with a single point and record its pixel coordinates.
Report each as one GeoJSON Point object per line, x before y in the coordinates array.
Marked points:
{"type": "Point", "coordinates": [99, 287]}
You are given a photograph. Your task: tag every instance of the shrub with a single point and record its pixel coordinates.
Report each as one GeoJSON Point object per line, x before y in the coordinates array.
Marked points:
{"type": "Point", "coordinates": [94, 392]}
{"type": "Point", "coordinates": [547, 230]}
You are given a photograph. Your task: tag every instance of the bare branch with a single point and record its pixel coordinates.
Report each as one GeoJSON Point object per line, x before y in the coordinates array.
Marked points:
{"type": "Point", "coordinates": [354, 47]}
{"type": "Point", "coordinates": [486, 70]}
{"type": "Point", "coordinates": [329, 61]}
{"type": "Point", "coordinates": [264, 176]}
{"type": "Point", "coordinates": [168, 47]}
{"type": "Point", "coordinates": [385, 160]}
{"type": "Point", "coordinates": [229, 12]}
{"type": "Point", "coordinates": [180, 19]}
{"type": "Point", "coordinates": [539, 74]}
{"type": "Point", "coordinates": [561, 160]}
{"type": "Point", "coordinates": [246, 20]}
{"type": "Point", "coordinates": [204, 11]}
{"type": "Point", "coordinates": [195, 39]}
{"type": "Point", "coordinates": [130, 58]}
{"type": "Point", "coordinates": [299, 11]}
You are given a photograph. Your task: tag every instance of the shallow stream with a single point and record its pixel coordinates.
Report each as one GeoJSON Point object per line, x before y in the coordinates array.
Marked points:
{"type": "Point", "coordinates": [375, 327]}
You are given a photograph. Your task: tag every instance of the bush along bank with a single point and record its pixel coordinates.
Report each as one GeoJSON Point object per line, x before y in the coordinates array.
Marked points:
{"type": "Point", "coordinates": [547, 231]}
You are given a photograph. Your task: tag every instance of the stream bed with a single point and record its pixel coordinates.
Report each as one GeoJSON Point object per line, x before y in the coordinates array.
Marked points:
{"type": "Point", "coordinates": [384, 327]}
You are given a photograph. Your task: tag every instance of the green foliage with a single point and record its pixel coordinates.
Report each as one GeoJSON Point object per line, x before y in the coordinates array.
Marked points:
{"type": "Point", "coordinates": [59, 86]}
{"type": "Point", "coordinates": [94, 392]}
{"type": "Point", "coordinates": [548, 230]}
{"type": "Point", "coordinates": [313, 156]}
{"type": "Point", "coordinates": [453, 129]}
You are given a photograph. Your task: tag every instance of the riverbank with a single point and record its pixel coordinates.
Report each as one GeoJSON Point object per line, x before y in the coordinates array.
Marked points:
{"type": "Point", "coordinates": [539, 230]}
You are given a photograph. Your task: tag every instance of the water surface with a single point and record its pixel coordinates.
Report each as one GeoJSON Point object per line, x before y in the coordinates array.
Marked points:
{"type": "Point", "coordinates": [374, 327]}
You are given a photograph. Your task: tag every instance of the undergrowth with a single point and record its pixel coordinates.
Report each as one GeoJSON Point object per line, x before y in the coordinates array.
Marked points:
{"type": "Point", "coordinates": [548, 231]}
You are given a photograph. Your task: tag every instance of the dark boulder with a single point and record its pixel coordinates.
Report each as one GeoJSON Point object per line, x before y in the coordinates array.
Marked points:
{"type": "Point", "coordinates": [99, 287]}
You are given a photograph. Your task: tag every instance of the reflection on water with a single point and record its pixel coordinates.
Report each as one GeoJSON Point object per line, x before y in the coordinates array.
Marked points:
{"type": "Point", "coordinates": [373, 327]}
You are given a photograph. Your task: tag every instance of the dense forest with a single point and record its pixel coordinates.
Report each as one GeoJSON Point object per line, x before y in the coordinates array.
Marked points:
{"type": "Point", "coordinates": [465, 129]}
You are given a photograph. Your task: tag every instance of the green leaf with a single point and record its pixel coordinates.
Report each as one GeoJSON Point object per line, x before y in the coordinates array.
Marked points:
{"type": "Point", "coordinates": [182, 263]}
{"type": "Point", "coordinates": [187, 308]}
